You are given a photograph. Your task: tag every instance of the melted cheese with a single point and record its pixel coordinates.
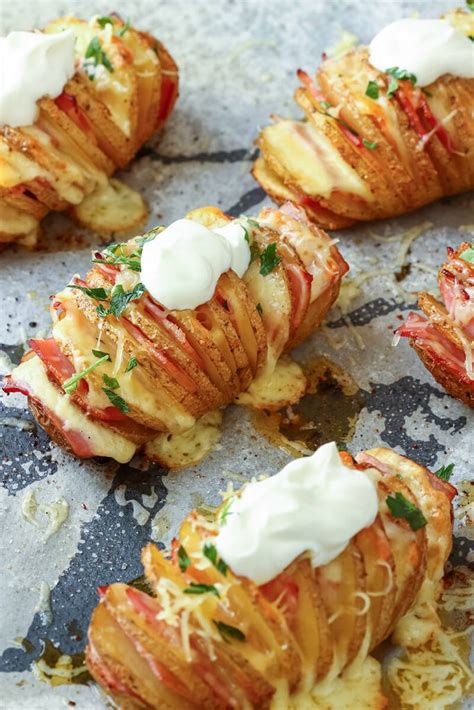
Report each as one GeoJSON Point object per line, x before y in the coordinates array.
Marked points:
{"type": "Point", "coordinates": [188, 448]}
{"type": "Point", "coordinates": [14, 222]}
{"type": "Point", "coordinates": [274, 390]}
{"type": "Point", "coordinates": [56, 513]}
{"type": "Point", "coordinates": [294, 143]}
{"type": "Point", "coordinates": [103, 441]}
{"type": "Point", "coordinates": [112, 206]}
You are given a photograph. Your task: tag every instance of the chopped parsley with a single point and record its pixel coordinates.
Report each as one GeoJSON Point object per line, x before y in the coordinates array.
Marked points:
{"type": "Point", "coordinates": [210, 551]}
{"type": "Point", "coordinates": [259, 308]}
{"type": "Point", "coordinates": [99, 294]}
{"type": "Point", "coordinates": [120, 300]}
{"type": "Point", "coordinates": [95, 52]}
{"type": "Point", "coordinates": [445, 472]}
{"type": "Point", "coordinates": [133, 362]}
{"type": "Point", "coordinates": [111, 382]}
{"type": "Point", "coordinates": [325, 105]}
{"type": "Point", "coordinates": [70, 385]}
{"type": "Point", "coordinates": [371, 145]}
{"type": "Point", "coordinates": [100, 353]}
{"type": "Point", "coordinates": [401, 74]}
{"type": "Point", "coordinates": [183, 559]}
{"type": "Point", "coordinates": [229, 632]}
{"type": "Point", "coordinates": [116, 400]}
{"type": "Point", "coordinates": [468, 254]}
{"type": "Point", "coordinates": [201, 589]}
{"type": "Point", "coordinates": [401, 507]}
{"type": "Point", "coordinates": [372, 90]}
{"type": "Point", "coordinates": [470, 5]}
{"type": "Point", "coordinates": [124, 29]}
{"type": "Point", "coordinates": [392, 87]}
{"type": "Point", "coordinates": [269, 259]}
{"type": "Point", "coordinates": [114, 254]}
{"type": "Point", "coordinates": [105, 20]}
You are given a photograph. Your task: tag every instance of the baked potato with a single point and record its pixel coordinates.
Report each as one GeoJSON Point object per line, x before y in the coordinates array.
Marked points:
{"type": "Point", "coordinates": [124, 89]}
{"type": "Point", "coordinates": [363, 154]}
{"type": "Point", "coordinates": [444, 337]}
{"type": "Point", "coordinates": [164, 369]}
{"type": "Point", "coordinates": [235, 644]}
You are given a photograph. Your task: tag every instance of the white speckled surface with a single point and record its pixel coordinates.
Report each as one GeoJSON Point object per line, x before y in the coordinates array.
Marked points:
{"type": "Point", "coordinates": [237, 62]}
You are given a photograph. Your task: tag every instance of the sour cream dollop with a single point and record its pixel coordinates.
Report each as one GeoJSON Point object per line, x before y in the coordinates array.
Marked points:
{"type": "Point", "coordinates": [32, 65]}
{"type": "Point", "coordinates": [314, 504]}
{"type": "Point", "coordinates": [181, 266]}
{"type": "Point", "coordinates": [426, 48]}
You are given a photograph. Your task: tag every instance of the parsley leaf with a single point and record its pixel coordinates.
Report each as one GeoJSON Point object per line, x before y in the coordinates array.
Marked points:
{"type": "Point", "coordinates": [372, 90]}
{"type": "Point", "coordinates": [229, 632]}
{"type": "Point", "coordinates": [115, 254]}
{"type": "Point", "coordinates": [210, 551]}
{"type": "Point", "coordinates": [371, 145]}
{"type": "Point", "coordinates": [269, 259]}
{"type": "Point", "coordinates": [99, 294]}
{"type": "Point", "coordinates": [121, 299]}
{"type": "Point", "coordinates": [201, 589]}
{"type": "Point", "coordinates": [470, 4]}
{"type": "Point", "coordinates": [123, 29]}
{"type": "Point", "coordinates": [325, 105]}
{"type": "Point", "coordinates": [225, 511]}
{"type": "Point", "coordinates": [445, 472]}
{"type": "Point", "coordinates": [111, 382]}
{"type": "Point", "coordinates": [105, 20]}
{"type": "Point", "coordinates": [392, 87]}
{"type": "Point", "coordinates": [468, 254]}
{"type": "Point", "coordinates": [95, 52]}
{"type": "Point", "coordinates": [116, 400]}
{"type": "Point", "coordinates": [100, 353]}
{"type": "Point", "coordinates": [133, 362]}
{"type": "Point", "coordinates": [183, 559]}
{"type": "Point", "coordinates": [401, 507]}
{"type": "Point", "coordinates": [70, 385]}
{"type": "Point", "coordinates": [401, 74]}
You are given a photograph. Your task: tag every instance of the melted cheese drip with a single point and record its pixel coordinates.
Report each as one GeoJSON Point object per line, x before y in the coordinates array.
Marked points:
{"type": "Point", "coordinates": [188, 448]}
{"type": "Point", "coordinates": [56, 513]}
{"type": "Point", "coordinates": [274, 390]}
{"type": "Point", "coordinates": [293, 144]}
{"type": "Point", "coordinates": [103, 441]}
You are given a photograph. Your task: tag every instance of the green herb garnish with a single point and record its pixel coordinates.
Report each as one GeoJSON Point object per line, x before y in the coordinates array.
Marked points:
{"type": "Point", "coordinates": [114, 254]}
{"type": "Point", "coordinates": [100, 353]}
{"type": "Point", "coordinates": [371, 145]}
{"type": "Point", "coordinates": [210, 551]}
{"type": "Point", "coordinates": [401, 74]}
{"type": "Point", "coordinates": [392, 87]}
{"type": "Point", "coordinates": [445, 472]}
{"type": "Point", "coordinates": [133, 362]}
{"type": "Point", "coordinates": [269, 259]}
{"type": "Point", "coordinates": [400, 507]}
{"type": "Point", "coordinates": [372, 90]}
{"type": "Point", "coordinates": [111, 382]}
{"type": "Point", "coordinates": [325, 105]}
{"type": "Point", "coordinates": [468, 254]}
{"type": "Point", "coordinates": [259, 308]}
{"type": "Point", "coordinates": [70, 385]}
{"type": "Point", "coordinates": [201, 589]}
{"type": "Point", "coordinates": [120, 300]}
{"type": "Point", "coordinates": [116, 400]}
{"type": "Point", "coordinates": [123, 29]}
{"type": "Point", "coordinates": [183, 559]}
{"type": "Point", "coordinates": [95, 52]}
{"type": "Point", "coordinates": [470, 5]}
{"type": "Point", "coordinates": [229, 632]}
{"type": "Point", "coordinates": [99, 294]}
{"type": "Point", "coordinates": [105, 20]}
{"type": "Point", "coordinates": [225, 512]}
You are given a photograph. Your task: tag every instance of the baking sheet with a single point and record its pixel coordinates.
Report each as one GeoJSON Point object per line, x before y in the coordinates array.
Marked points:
{"type": "Point", "coordinates": [237, 62]}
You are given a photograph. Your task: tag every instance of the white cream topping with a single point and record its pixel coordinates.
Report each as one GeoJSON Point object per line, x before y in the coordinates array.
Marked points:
{"type": "Point", "coordinates": [315, 504]}
{"type": "Point", "coordinates": [426, 48]}
{"type": "Point", "coordinates": [181, 266]}
{"type": "Point", "coordinates": [32, 65]}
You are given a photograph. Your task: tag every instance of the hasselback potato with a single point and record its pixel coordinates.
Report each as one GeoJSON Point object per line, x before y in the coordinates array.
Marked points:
{"type": "Point", "coordinates": [366, 151]}
{"type": "Point", "coordinates": [206, 638]}
{"type": "Point", "coordinates": [119, 367]}
{"type": "Point", "coordinates": [444, 337]}
{"type": "Point", "coordinates": [124, 89]}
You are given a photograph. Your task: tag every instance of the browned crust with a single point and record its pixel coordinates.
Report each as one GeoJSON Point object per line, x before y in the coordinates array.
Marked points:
{"type": "Point", "coordinates": [453, 385]}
